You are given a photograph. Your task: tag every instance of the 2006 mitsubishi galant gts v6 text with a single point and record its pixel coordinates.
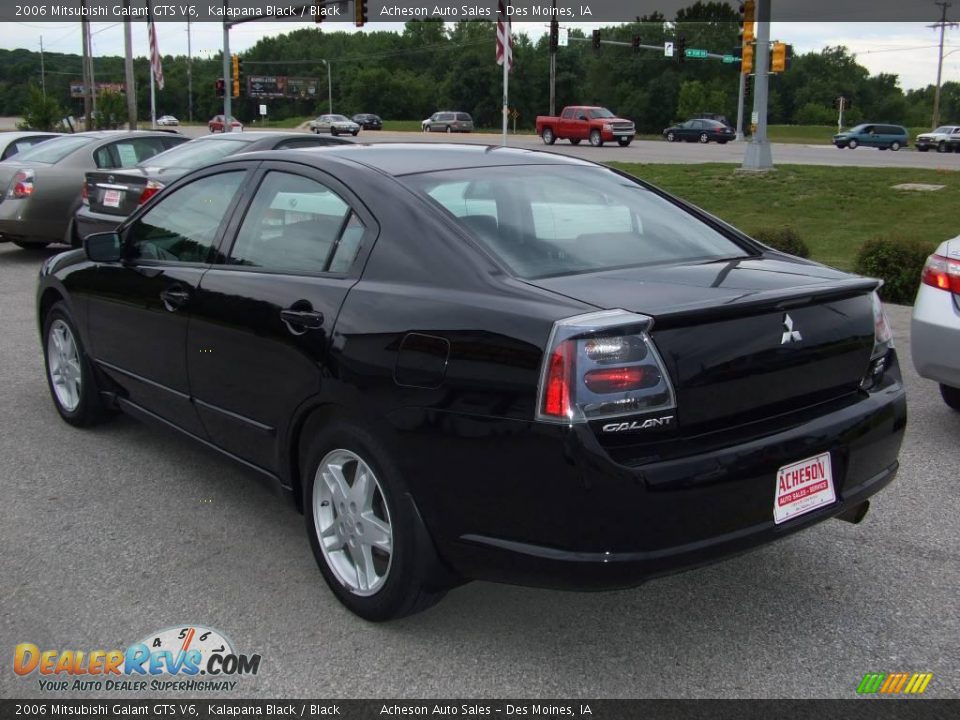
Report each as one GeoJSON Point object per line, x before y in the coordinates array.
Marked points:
{"type": "Point", "coordinates": [468, 362]}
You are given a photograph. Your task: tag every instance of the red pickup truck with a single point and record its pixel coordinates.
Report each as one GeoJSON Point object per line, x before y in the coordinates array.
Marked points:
{"type": "Point", "coordinates": [585, 122]}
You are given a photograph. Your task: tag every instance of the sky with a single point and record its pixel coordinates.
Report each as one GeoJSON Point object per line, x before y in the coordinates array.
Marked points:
{"type": "Point", "coordinates": [908, 50]}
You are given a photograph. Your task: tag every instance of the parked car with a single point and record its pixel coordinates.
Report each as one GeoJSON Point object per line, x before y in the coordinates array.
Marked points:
{"type": "Point", "coordinates": [506, 365]}
{"type": "Point", "coordinates": [713, 116]}
{"type": "Point", "coordinates": [167, 121]}
{"type": "Point", "coordinates": [447, 121]}
{"type": "Point", "coordinates": [884, 137]}
{"type": "Point", "coordinates": [109, 196]}
{"type": "Point", "coordinates": [368, 121]}
{"type": "Point", "coordinates": [12, 143]}
{"type": "Point", "coordinates": [335, 125]}
{"type": "Point", "coordinates": [702, 131]}
{"type": "Point", "coordinates": [944, 139]}
{"type": "Point", "coordinates": [583, 122]}
{"type": "Point", "coordinates": [41, 186]}
{"type": "Point", "coordinates": [216, 124]}
{"type": "Point", "coordinates": [935, 326]}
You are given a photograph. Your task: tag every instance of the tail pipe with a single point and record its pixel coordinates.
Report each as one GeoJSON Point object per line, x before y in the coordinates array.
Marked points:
{"type": "Point", "coordinates": [856, 514]}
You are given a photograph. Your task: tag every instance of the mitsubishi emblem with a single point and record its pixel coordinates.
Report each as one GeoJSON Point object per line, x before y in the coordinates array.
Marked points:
{"type": "Point", "coordinates": [790, 335]}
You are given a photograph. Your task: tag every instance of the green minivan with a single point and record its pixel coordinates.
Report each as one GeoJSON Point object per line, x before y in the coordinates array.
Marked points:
{"type": "Point", "coordinates": [885, 137]}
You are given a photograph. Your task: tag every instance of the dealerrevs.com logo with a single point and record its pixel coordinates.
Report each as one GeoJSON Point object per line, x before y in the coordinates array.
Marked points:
{"type": "Point", "coordinates": [190, 658]}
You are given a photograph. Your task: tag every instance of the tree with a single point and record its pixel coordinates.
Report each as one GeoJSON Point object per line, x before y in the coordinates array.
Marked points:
{"type": "Point", "coordinates": [111, 111]}
{"type": "Point", "coordinates": [42, 112]}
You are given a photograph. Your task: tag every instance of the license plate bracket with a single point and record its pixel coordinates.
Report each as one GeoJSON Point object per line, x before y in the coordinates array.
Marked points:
{"type": "Point", "coordinates": [803, 487]}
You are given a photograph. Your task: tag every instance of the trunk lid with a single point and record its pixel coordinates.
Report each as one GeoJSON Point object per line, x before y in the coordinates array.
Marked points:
{"type": "Point", "coordinates": [115, 193]}
{"type": "Point", "coordinates": [743, 340]}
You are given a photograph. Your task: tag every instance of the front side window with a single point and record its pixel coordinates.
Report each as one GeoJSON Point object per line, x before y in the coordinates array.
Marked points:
{"type": "Point", "coordinates": [183, 226]}
{"type": "Point", "coordinates": [600, 113]}
{"type": "Point", "coordinates": [296, 224]}
{"type": "Point", "coordinates": [553, 219]}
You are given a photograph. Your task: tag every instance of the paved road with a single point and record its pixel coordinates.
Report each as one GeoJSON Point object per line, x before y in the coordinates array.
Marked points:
{"type": "Point", "coordinates": [662, 152]}
{"type": "Point", "coordinates": [112, 533]}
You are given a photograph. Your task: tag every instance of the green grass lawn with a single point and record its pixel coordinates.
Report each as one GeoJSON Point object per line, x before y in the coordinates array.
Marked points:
{"type": "Point", "coordinates": [834, 209]}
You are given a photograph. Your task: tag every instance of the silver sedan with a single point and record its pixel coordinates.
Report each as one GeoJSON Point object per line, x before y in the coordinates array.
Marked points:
{"type": "Point", "coordinates": [335, 125]}
{"type": "Point", "coordinates": [935, 328]}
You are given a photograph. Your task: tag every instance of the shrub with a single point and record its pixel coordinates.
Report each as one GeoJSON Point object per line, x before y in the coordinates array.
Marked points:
{"type": "Point", "coordinates": [41, 112]}
{"type": "Point", "coordinates": [785, 239]}
{"type": "Point", "coordinates": [896, 261]}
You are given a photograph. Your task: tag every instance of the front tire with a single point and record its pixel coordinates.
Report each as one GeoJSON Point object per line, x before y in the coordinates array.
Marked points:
{"type": "Point", "coordinates": [70, 375]}
{"type": "Point", "coordinates": [951, 396]}
{"type": "Point", "coordinates": [941, 147]}
{"type": "Point", "coordinates": [548, 137]}
{"type": "Point", "coordinates": [363, 527]}
{"type": "Point", "coordinates": [449, 129]}
{"type": "Point", "coordinates": [596, 139]}
{"type": "Point", "coordinates": [671, 137]}
{"type": "Point", "coordinates": [852, 144]}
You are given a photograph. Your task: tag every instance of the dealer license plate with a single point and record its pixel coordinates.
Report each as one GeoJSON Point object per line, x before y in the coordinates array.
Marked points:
{"type": "Point", "coordinates": [803, 487]}
{"type": "Point", "coordinates": [111, 198]}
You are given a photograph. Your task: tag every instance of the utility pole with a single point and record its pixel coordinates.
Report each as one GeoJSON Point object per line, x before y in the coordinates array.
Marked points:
{"type": "Point", "coordinates": [189, 77]}
{"type": "Point", "coordinates": [85, 37]}
{"type": "Point", "coordinates": [554, 31]}
{"type": "Point", "coordinates": [741, 96]}
{"type": "Point", "coordinates": [758, 155]}
{"type": "Point", "coordinates": [43, 75]}
{"type": "Point", "coordinates": [128, 71]}
{"type": "Point", "coordinates": [227, 82]}
{"type": "Point", "coordinates": [943, 25]}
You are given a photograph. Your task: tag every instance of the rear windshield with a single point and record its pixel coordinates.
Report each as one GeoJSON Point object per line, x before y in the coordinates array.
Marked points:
{"type": "Point", "coordinates": [193, 154]}
{"type": "Point", "coordinates": [53, 151]}
{"type": "Point", "coordinates": [544, 220]}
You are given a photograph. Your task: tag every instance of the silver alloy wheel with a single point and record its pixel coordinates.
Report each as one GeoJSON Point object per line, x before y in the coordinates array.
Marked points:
{"type": "Point", "coordinates": [704, 138]}
{"type": "Point", "coordinates": [63, 364]}
{"type": "Point", "coordinates": [352, 522]}
{"type": "Point", "coordinates": [548, 136]}
{"type": "Point", "coordinates": [670, 137]}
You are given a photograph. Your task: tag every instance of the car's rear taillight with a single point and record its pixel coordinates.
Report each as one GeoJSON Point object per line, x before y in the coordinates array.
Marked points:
{"type": "Point", "coordinates": [85, 194]}
{"type": "Point", "coordinates": [602, 365]}
{"type": "Point", "coordinates": [22, 184]}
{"type": "Point", "coordinates": [942, 273]}
{"type": "Point", "coordinates": [152, 188]}
{"type": "Point", "coordinates": [882, 344]}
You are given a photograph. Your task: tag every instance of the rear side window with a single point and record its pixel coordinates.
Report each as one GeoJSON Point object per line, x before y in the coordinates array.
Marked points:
{"type": "Point", "coordinates": [296, 224]}
{"type": "Point", "coordinates": [555, 220]}
{"type": "Point", "coordinates": [464, 117]}
{"type": "Point", "coordinates": [22, 145]}
{"type": "Point", "coordinates": [568, 114]}
{"type": "Point", "coordinates": [55, 150]}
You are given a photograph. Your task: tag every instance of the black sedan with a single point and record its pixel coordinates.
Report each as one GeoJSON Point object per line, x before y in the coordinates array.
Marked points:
{"type": "Point", "coordinates": [702, 131]}
{"type": "Point", "coordinates": [481, 362]}
{"type": "Point", "coordinates": [109, 196]}
{"type": "Point", "coordinates": [368, 121]}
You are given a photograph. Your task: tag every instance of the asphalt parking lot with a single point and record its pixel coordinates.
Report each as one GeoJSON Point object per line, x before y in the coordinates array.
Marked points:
{"type": "Point", "coordinates": [110, 534]}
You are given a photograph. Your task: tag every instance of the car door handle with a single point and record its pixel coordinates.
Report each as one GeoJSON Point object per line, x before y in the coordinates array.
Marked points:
{"type": "Point", "coordinates": [174, 297]}
{"type": "Point", "coordinates": [299, 321]}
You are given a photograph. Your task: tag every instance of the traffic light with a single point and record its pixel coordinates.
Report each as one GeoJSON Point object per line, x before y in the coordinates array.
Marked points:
{"type": "Point", "coordinates": [237, 68]}
{"type": "Point", "coordinates": [596, 39]}
{"type": "Point", "coordinates": [748, 14]}
{"type": "Point", "coordinates": [636, 43]}
{"type": "Point", "coordinates": [554, 35]}
{"type": "Point", "coordinates": [220, 87]}
{"type": "Point", "coordinates": [746, 60]}
{"type": "Point", "coordinates": [317, 12]}
{"type": "Point", "coordinates": [360, 12]}
{"type": "Point", "coordinates": [781, 57]}
{"type": "Point", "coordinates": [681, 48]}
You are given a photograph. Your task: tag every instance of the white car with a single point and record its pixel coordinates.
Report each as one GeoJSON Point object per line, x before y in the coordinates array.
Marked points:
{"type": "Point", "coordinates": [335, 125]}
{"type": "Point", "coordinates": [944, 139]}
{"type": "Point", "coordinates": [935, 327]}
{"type": "Point", "coordinates": [167, 120]}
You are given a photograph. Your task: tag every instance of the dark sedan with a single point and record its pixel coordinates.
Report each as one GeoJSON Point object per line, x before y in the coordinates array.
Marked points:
{"type": "Point", "coordinates": [368, 121]}
{"type": "Point", "coordinates": [482, 362]}
{"type": "Point", "coordinates": [702, 131]}
{"type": "Point", "coordinates": [41, 186]}
{"type": "Point", "coordinates": [109, 196]}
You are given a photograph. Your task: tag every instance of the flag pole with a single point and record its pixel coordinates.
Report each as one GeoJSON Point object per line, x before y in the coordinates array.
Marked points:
{"type": "Point", "coordinates": [506, 81]}
{"type": "Point", "coordinates": [153, 102]}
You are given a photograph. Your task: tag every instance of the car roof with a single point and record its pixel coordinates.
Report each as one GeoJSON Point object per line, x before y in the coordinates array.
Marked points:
{"type": "Point", "coordinates": [28, 133]}
{"type": "Point", "coordinates": [410, 158]}
{"type": "Point", "coordinates": [252, 135]}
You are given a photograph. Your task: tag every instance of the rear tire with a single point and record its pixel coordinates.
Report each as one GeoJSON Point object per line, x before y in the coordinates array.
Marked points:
{"type": "Point", "coordinates": [951, 396]}
{"type": "Point", "coordinates": [548, 137]}
{"type": "Point", "coordinates": [395, 582]}
{"type": "Point", "coordinates": [596, 139]}
{"type": "Point", "coordinates": [70, 375]}
{"type": "Point", "coordinates": [895, 146]}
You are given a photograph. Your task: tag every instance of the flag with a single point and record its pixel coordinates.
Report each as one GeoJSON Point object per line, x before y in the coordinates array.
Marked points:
{"type": "Point", "coordinates": [156, 64]}
{"type": "Point", "coordinates": [504, 36]}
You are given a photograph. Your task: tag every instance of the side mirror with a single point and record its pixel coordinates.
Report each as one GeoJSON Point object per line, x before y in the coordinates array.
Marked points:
{"type": "Point", "coordinates": [104, 247]}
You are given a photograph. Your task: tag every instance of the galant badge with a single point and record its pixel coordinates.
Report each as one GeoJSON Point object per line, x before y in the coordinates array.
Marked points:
{"type": "Point", "coordinates": [790, 335]}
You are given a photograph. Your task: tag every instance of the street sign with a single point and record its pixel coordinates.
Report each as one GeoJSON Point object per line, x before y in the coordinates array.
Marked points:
{"type": "Point", "coordinates": [668, 49]}
{"type": "Point", "coordinates": [696, 53]}
{"type": "Point", "coordinates": [563, 37]}
{"type": "Point", "coordinates": [514, 113]}
{"type": "Point", "coordinates": [755, 118]}
{"type": "Point", "coordinates": [730, 59]}
{"type": "Point", "coordinates": [263, 110]}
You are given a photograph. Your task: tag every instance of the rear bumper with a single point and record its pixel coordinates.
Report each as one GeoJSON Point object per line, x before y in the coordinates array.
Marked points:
{"type": "Point", "coordinates": [18, 223]}
{"type": "Point", "coordinates": [935, 336]}
{"type": "Point", "coordinates": [547, 506]}
{"type": "Point", "coordinates": [87, 222]}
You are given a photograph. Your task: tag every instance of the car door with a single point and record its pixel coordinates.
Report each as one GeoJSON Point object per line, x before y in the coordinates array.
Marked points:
{"type": "Point", "coordinates": [262, 325]}
{"type": "Point", "coordinates": [690, 129]}
{"type": "Point", "coordinates": [139, 309]}
{"type": "Point", "coordinates": [868, 136]}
